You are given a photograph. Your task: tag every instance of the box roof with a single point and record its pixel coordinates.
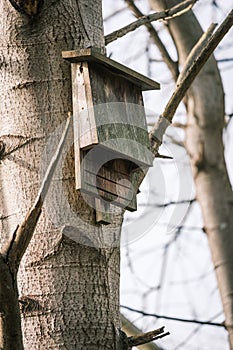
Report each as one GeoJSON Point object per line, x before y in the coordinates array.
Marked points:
{"type": "Point", "coordinates": [94, 55]}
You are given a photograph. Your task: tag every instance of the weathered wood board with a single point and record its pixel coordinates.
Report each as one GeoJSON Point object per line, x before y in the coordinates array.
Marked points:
{"type": "Point", "coordinates": [93, 55]}
{"type": "Point", "coordinates": [111, 182]}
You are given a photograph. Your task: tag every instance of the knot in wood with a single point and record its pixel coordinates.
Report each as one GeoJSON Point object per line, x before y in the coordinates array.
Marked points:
{"type": "Point", "coordinates": [29, 305]}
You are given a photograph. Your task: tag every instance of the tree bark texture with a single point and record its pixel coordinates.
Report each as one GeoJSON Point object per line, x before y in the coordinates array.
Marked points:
{"type": "Point", "coordinates": [10, 325]}
{"type": "Point", "coordinates": [205, 122]}
{"type": "Point", "coordinates": [69, 289]}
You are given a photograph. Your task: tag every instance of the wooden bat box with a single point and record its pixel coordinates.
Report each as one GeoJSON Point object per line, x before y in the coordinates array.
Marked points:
{"type": "Point", "coordinates": [110, 133]}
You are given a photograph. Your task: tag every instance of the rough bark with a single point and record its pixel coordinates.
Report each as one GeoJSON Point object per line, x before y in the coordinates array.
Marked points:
{"type": "Point", "coordinates": [205, 111]}
{"type": "Point", "coordinates": [10, 325]}
{"type": "Point", "coordinates": [68, 289]}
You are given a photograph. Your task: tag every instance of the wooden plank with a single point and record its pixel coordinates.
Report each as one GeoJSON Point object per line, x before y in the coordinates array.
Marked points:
{"type": "Point", "coordinates": [83, 104]}
{"type": "Point", "coordinates": [118, 122]}
{"type": "Point", "coordinates": [124, 168]}
{"type": "Point", "coordinates": [127, 149]}
{"type": "Point", "coordinates": [89, 186]}
{"type": "Point", "coordinates": [77, 153]}
{"type": "Point", "coordinates": [108, 91]}
{"type": "Point", "coordinates": [115, 189]}
{"type": "Point", "coordinates": [114, 171]}
{"type": "Point", "coordinates": [93, 55]}
{"type": "Point", "coordinates": [137, 118]}
{"type": "Point", "coordinates": [91, 113]}
{"type": "Point", "coordinates": [104, 182]}
{"type": "Point", "coordinates": [102, 212]}
{"type": "Point", "coordinates": [113, 181]}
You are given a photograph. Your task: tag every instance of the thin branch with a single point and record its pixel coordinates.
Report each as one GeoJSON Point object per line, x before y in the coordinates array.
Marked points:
{"type": "Point", "coordinates": [216, 324]}
{"type": "Point", "coordinates": [130, 328]}
{"type": "Point", "coordinates": [196, 63]}
{"type": "Point", "coordinates": [184, 201]}
{"type": "Point", "coordinates": [173, 66]}
{"type": "Point", "coordinates": [23, 233]}
{"type": "Point", "coordinates": [147, 337]}
{"type": "Point", "coordinates": [222, 60]}
{"type": "Point", "coordinates": [166, 14]}
{"type": "Point", "coordinates": [190, 201]}
{"type": "Point", "coordinates": [175, 124]}
{"type": "Point", "coordinates": [179, 125]}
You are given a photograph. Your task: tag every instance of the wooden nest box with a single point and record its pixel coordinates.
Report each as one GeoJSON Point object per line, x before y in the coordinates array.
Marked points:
{"type": "Point", "coordinates": [110, 134]}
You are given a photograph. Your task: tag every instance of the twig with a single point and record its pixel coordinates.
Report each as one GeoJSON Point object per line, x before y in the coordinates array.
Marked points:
{"type": "Point", "coordinates": [175, 124]}
{"type": "Point", "coordinates": [216, 324]}
{"type": "Point", "coordinates": [166, 14]}
{"type": "Point", "coordinates": [130, 328]}
{"type": "Point", "coordinates": [194, 67]}
{"type": "Point", "coordinates": [185, 201]}
{"type": "Point", "coordinates": [23, 233]}
{"type": "Point", "coordinates": [222, 60]}
{"type": "Point", "coordinates": [179, 125]}
{"type": "Point", "coordinates": [146, 337]}
{"type": "Point", "coordinates": [173, 66]}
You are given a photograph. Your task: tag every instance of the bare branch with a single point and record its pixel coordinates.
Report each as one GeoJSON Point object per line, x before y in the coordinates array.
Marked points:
{"type": "Point", "coordinates": [196, 62]}
{"type": "Point", "coordinates": [166, 14]}
{"type": "Point", "coordinates": [173, 66]}
{"type": "Point", "coordinates": [216, 324]}
{"type": "Point", "coordinates": [185, 201]}
{"type": "Point", "coordinates": [222, 60]}
{"type": "Point", "coordinates": [130, 328]}
{"type": "Point", "coordinates": [175, 124]}
{"type": "Point", "coordinates": [179, 125]}
{"type": "Point", "coordinates": [147, 337]}
{"type": "Point", "coordinates": [23, 233]}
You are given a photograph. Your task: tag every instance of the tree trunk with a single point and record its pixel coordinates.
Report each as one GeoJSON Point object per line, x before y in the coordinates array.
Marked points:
{"type": "Point", "coordinates": [10, 325]}
{"type": "Point", "coordinates": [69, 288]}
{"type": "Point", "coordinates": [205, 111]}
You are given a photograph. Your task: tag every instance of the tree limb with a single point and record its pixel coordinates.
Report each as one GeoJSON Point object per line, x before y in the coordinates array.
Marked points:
{"type": "Point", "coordinates": [23, 233]}
{"type": "Point", "coordinates": [166, 14]}
{"type": "Point", "coordinates": [173, 66]}
{"type": "Point", "coordinates": [130, 328]}
{"type": "Point", "coordinates": [147, 337]}
{"type": "Point", "coordinates": [191, 69]}
{"type": "Point", "coordinates": [216, 324]}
